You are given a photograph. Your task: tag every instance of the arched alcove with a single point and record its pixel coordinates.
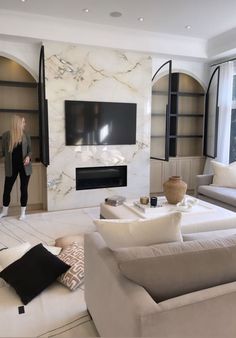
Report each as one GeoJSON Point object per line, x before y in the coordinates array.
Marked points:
{"type": "Point", "coordinates": [176, 132]}
{"type": "Point", "coordinates": [19, 95]}
{"type": "Point", "coordinates": [192, 75]}
{"type": "Point", "coordinates": [186, 115]}
{"type": "Point", "coordinates": [20, 63]}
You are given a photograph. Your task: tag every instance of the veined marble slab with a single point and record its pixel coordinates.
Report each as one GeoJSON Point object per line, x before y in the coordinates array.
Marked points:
{"type": "Point", "coordinates": [76, 72]}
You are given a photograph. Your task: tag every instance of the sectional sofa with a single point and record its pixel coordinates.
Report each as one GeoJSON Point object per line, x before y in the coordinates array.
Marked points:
{"type": "Point", "coordinates": [121, 307]}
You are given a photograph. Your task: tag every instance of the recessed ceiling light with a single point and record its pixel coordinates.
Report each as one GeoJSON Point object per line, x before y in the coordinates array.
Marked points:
{"type": "Point", "coordinates": [188, 27]}
{"type": "Point", "coordinates": [23, 0]}
{"type": "Point", "coordinates": [141, 19]}
{"type": "Point", "coordinates": [85, 10]}
{"type": "Point", "coordinates": [115, 14]}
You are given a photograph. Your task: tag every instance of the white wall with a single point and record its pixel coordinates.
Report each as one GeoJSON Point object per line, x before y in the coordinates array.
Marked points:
{"type": "Point", "coordinates": [199, 70]}
{"type": "Point", "coordinates": [59, 29]}
{"type": "Point", "coordinates": [27, 54]}
{"type": "Point", "coordinates": [24, 53]}
{"type": "Point", "coordinates": [223, 45]}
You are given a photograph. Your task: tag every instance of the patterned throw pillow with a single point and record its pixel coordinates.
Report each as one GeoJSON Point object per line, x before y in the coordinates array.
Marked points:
{"type": "Point", "coordinates": [74, 256]}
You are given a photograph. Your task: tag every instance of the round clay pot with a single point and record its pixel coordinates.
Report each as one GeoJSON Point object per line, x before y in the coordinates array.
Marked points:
{"type": "Point", "coordinates": [174, 189]}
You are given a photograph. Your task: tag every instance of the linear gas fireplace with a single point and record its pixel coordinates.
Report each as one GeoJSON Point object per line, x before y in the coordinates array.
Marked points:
{"type": "Point", "coordinates": [101, 177]}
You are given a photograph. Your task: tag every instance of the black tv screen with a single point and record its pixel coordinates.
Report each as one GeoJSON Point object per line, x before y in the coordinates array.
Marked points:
{"type": "Point", "coordinates": [100, 123]}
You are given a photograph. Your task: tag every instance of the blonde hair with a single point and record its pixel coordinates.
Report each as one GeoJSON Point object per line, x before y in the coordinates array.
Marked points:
{"type": "Point", "coordinates": [16, 131]}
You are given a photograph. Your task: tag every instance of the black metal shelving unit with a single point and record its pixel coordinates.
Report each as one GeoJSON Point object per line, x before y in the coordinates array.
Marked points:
{"type": "Point", "coordinates": [29, 111]}
{"type": "Point", "coordinates": [18, 84]}
{"type": "Point", "coordinates": [34, 137]}
{"type": "Point", "coordinates": [175, 115]}
{"type": "Point", "coordinates": [191, 94]}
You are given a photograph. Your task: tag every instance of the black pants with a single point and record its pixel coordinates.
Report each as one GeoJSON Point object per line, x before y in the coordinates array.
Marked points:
{"type": "Point", "coordinates": [9, 182]}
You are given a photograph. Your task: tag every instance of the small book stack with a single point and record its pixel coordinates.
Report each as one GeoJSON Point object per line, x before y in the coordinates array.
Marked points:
{"type": "Point", "coordinates": [115, 200]}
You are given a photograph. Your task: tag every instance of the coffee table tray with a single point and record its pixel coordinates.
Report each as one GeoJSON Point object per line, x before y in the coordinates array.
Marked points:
{"type": "Point", "coordinates": [163, 208]}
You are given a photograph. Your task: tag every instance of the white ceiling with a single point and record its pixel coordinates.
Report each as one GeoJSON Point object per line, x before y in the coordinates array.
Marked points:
{"type": "Point", "coordinates": [208, 18]}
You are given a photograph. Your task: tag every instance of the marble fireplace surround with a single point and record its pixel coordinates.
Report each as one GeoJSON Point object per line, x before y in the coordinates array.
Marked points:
{"type": "Point", "coordinates": [78, 72]}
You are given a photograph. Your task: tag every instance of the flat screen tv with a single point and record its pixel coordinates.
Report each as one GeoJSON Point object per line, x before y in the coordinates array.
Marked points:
{"type": "Point", "coordinates": [100, 123]}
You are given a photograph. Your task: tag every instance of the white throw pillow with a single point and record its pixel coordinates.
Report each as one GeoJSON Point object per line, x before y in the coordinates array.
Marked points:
{"type": "Point", "coordinates": [224, 175]}
{"type": "Point", "coordinates": [120, 233]}
{"type": "Point", "coordinates": [55, 250]}
{"type": "Point", "coordinates": [10, 255]}
{"type": "Point", "coordinates": [2, 281]}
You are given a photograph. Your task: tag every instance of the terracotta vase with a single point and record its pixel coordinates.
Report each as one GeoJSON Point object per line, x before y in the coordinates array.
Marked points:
{"type": "Point", "coordinates": [174, 189]}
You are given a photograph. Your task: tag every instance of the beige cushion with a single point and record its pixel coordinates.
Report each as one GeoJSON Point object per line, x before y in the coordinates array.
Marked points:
{"type": "Point", "coordinates": [120, 233]}
{"type": "Point", "coordinates": [64, 241]}
{"type": "Point", "coordinates": [125, 254]}
{"type": "Point", "coordinates": [224, 175]}
{"type": "Point", "coordinates": [74, 256]}
{"type": "Point", "coordinates": [173, 270]}
{"type": "Point", "coordinates": [209, 234]}
{"type": "Point", "coordinates": [10, 255]}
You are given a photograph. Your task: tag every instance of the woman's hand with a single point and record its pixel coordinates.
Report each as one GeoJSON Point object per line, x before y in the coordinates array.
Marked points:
{"type": "Point", "coordinates": [26, 160]}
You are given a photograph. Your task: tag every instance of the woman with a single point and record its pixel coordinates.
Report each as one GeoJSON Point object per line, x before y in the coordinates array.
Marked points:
{"type": "Point", "coordinates": [16, 148]}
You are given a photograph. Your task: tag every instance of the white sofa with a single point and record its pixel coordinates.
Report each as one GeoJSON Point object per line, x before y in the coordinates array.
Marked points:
{"type": "Point", "coordinates": [50, 313]}
{"type": "Point", "coordinates": [121, 308]}
{"type": "Point", "coordinates": [221, 196]}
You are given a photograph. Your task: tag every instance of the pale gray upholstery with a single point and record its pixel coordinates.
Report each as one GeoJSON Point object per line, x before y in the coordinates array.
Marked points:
{"type": "Point", "coordinates": [176, 248]}
{"type": "Point", "coordinates": [221, 196]}
{"type": "Point", "coordinates": [169, 276]}
{"type": "Point", "coordinates": [226, 195]}
{"type": "Point", "coordinates": [121, 308]}
{"type": "Point", "coordinates": [209, 234]}
{"type": "Point", "coordinates": [204, 180]}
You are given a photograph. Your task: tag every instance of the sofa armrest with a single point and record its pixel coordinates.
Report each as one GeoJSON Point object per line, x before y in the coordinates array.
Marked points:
{"type": "Point", "coordinates": [115, 303]}
{"type": "Point", "coordinates": [203, 180]}
{"type": "Point", "coordinates": [206, 313]}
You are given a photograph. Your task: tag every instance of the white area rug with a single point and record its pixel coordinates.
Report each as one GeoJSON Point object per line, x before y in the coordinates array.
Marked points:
{"type": "Point", "coordinates": [46, 227]}
{"type": "Point", "coordinates": [56, 312]}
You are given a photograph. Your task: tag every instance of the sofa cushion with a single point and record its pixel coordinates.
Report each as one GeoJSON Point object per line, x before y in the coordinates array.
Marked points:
{"type": "Point", "coordinates": [55, 250]}
{"type": "Point", "coordinates": [73, 255]}
{"type": "Point", "coordinates": [224, 175]}
{"type": "Point", "coordinates": [174, 269]}
{"type": "Point", "coordinates": [65, 241]}
{"type": "Point", "coordinates": [120, 233]}
{"type": "Point", "coordinates": [209, 234]}
{"type": "Point", "coordinates": [10, 255]}
{"type": "Point", "coordinates": [33, 272]}
{"type": "Point", "coordinates": [226, 195]}
{"type": "Point", "coordinates": [165, 249]}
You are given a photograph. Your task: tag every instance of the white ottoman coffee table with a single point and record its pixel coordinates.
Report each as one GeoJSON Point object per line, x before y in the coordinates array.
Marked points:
{"type": "Point", "coordinates": [203, 216]}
